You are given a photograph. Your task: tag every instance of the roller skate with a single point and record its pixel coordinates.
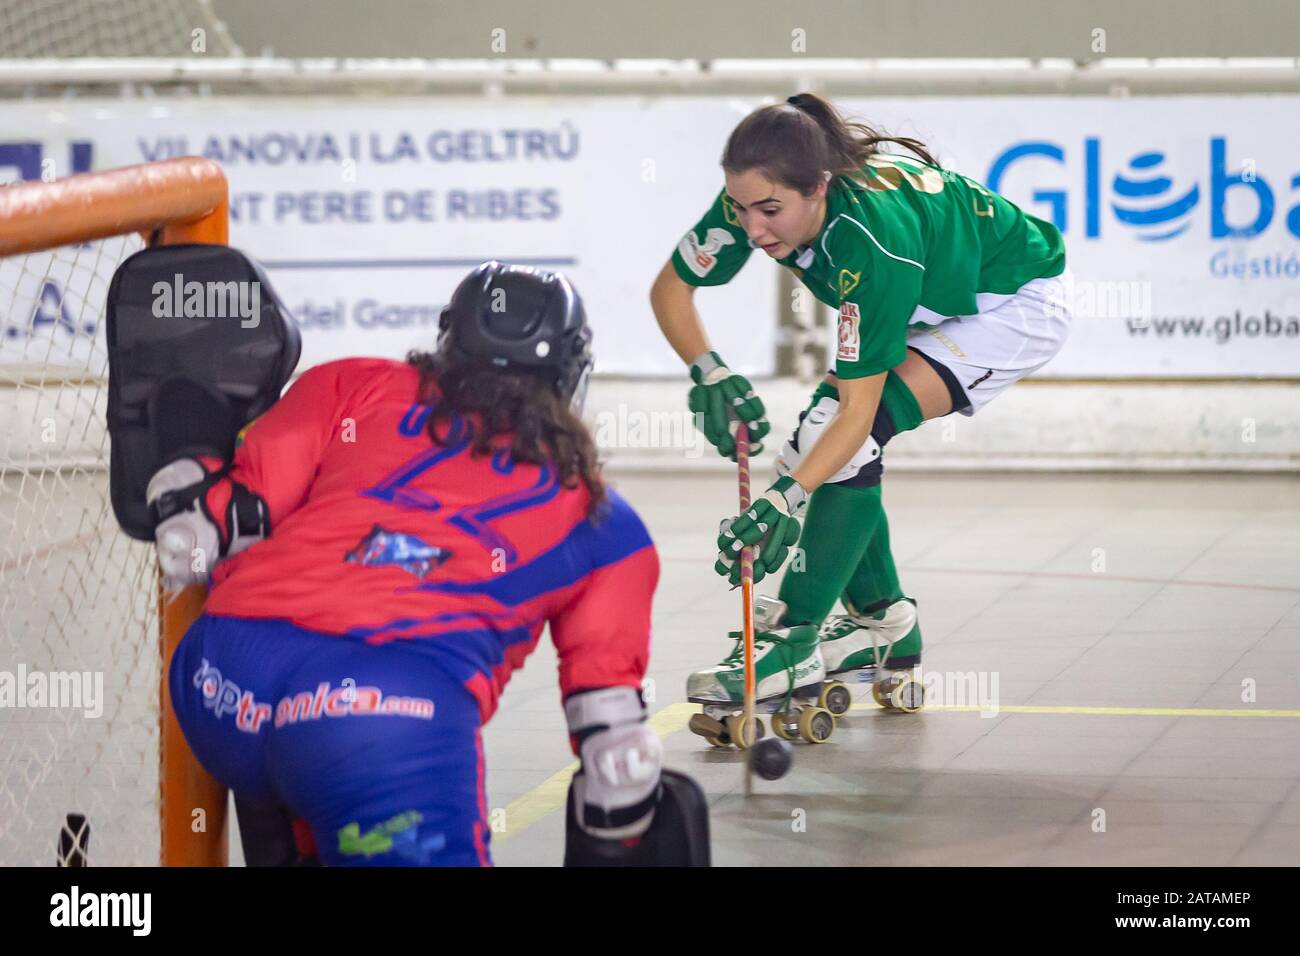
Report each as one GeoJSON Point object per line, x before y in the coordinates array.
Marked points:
{"type": "Point", "coordinates": [881, 649]}
{"type": "Point", "coordinates": [789, 674]}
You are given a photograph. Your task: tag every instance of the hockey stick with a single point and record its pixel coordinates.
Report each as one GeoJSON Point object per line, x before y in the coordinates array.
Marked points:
{"type": "Point", "coordinates": [748, 724]}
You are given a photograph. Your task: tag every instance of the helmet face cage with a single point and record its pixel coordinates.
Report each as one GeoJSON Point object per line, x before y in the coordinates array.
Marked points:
{"type": "Point", "coordinates": [577, 392]}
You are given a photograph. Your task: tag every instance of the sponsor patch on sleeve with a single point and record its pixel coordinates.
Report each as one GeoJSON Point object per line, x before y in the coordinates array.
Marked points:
{"type": "Point", "coordinates": [701, 257]}
{"type": "Point", "coordinates": [849, 338]}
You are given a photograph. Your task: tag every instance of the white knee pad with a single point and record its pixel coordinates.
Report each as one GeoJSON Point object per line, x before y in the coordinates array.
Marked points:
{"type": "Point", "coordinates": [810, 430]}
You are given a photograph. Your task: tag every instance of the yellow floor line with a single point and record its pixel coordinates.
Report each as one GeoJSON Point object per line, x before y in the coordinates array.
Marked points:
{"type": "Point", "coordinates": [550, 795]}
{"type": "Point", "coordinates": [1108, 711]}
{"type": "Point", "coordinates": [673, 718]}
{"type": "Point", "coordinates": [544, 798]}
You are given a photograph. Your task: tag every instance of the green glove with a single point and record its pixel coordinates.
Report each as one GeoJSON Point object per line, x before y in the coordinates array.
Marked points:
{"type": "Point", "coordinates": [771, 523]}
{"type": "Point", "coordinates": [719, 397]}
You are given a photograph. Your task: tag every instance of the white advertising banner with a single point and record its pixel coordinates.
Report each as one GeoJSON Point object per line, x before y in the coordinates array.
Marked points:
{"type": "Point", "coordinates": [1181, 218]}
{"type": "Point", "coordinates": [367, 213]}
{"type": "Point", "coordinates": [1181, 214]}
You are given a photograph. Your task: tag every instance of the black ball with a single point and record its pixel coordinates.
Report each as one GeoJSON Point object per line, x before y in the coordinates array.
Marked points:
{"type": "Point", "coordinates": [771, 758]}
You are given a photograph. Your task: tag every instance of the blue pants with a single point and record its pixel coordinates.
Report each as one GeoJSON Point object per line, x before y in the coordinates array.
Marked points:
{"type": "Point", "coordinates": [376, 748]}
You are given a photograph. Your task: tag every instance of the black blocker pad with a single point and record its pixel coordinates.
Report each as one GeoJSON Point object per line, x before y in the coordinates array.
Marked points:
{"type": "Point", "coordinates": [679, 835]}
{"type": "Point", "coordinates": [198, 345]}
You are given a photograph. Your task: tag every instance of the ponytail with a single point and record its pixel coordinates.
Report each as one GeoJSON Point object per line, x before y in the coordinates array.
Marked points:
{"type": "Point", "coordinates": [795, 142]}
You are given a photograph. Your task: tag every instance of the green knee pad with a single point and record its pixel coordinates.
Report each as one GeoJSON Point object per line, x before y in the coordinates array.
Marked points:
{"type": "Point", "coordinates": [903, 408]}
{"type": "Point", "coordinates": [895, 397]}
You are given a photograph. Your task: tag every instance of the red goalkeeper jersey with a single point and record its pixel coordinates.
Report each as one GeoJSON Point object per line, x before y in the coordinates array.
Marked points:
{"type": "Point", "coordinates": [379, 535]}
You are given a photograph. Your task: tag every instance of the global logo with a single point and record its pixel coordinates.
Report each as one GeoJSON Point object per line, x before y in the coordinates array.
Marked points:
{"type": "Point", "coordinates": [1145, 205]}
{"type": "Point", "coordinates": [1144, 196]}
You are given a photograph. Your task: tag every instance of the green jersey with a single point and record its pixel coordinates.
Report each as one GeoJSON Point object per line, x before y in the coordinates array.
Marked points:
{"type": "Point", "coordinates": [910, 244]}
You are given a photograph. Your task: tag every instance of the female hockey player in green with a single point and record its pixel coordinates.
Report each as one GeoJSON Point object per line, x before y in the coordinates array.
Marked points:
{"type": "Point", "coordinates": [947, 294]}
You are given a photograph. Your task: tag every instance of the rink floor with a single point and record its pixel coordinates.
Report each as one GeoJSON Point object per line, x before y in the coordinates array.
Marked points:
{"type": "Point", "coordinates": [1136, 638]}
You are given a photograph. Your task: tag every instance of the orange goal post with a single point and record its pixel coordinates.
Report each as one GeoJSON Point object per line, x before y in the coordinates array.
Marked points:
{"type": "Point", "coordinates": [85, 633]}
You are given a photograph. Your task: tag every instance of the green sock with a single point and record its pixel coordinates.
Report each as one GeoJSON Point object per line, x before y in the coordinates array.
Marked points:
{"type": "Point", "coordinates": [845, 540]}
{"type": "Point", "coordinates": [837, 530]}
{"type": "Point", "coordinates": [874, 584]}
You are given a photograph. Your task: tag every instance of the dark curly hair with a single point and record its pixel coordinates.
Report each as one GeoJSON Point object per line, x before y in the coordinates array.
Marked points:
{"type": "Point", "coordinates": [542, 426]}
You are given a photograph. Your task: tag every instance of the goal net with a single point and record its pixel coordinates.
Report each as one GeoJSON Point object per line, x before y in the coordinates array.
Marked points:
{"type": "Point", "coordinates": [64, 28]}
{"type": "Point", "coordinates": [80, 653]}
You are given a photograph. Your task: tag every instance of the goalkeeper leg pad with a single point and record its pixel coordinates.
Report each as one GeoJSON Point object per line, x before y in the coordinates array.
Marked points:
{"type": "Point", "coordinates": [679, 835]}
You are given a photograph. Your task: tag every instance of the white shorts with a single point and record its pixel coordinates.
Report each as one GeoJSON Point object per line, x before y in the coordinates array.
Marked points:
{"type": "Point", "coordinates": [1011, 336]}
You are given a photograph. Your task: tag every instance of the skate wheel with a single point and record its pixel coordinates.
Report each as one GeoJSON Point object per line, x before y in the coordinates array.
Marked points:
{"type": "Point", "coordinates": [900, 692]}
{"type": "Point", "coordinates": [742, 735]}
{"type": "Point", "coordinates": [816, 725]}
{"type": "Point", "coordinates": [836, 698]}
{"type": "Point", "coordinates": [780, 726]}
{"type": "Point", "coordinates": [710, 728]}
{"type": "Point", "coordinates": [907, 695]}
{"type": "Point", "coordinates": [880, 694]}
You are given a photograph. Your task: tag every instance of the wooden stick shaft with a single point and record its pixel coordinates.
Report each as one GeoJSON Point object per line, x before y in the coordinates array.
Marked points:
{"type": "Point", "coordinates": [747, 597]}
